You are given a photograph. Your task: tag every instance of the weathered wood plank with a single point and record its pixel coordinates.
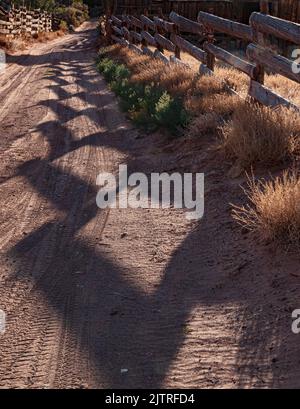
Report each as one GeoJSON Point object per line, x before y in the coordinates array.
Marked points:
{"type": "Point", "coordinates": [164, 42]}
{"type": "Point", "coordinates": [185, 24]}
{"type": "Point", "coordinates": [119, 40]}
{"type": "Point", "coordinates": [136, 22]}
{"type": "Point", "coordinates": [147, 51]}
{"type": "Point", "coordinates": [136, 36]}
{"type": "Point", "coordinates": [276, 63]}
{"type": "Point", "coordinates": [126, 19]}
{"type": "Point", "coordinates": [117, 30]}
{"type": "Point", "coordinates": [148, 38]}
{"type": "Point", "coordinates": [278, 27]}
{"type": "Point", "coordinates": [267, 97]}
{"type": "Point", "coordinates": [116, 21]}
{"type": "Point", "coordinates": [147, 22]}
{"type": "Point", "coordinates": [234, 61]}
{"type": "Point", "coordinates": [188, 47]}
{"type": "Point", "coordinates": [222, 25]}
{"type": "Point", "coordinates": [164, 25]}
{"type": "Point", "coordinates": [134, 48]}
{"type": "Point", "coordinates": [176, 61]}
{"type": "Point", "coordinates": [158, 54]}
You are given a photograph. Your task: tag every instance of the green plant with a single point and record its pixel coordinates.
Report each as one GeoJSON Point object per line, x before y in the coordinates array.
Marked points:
{"type": "Point", "coordinates": [169, 112]}
{"type": "Point", "coordinates": [73, 15]}
{"type": "Point", "coordinates": [148, 104]}
{"type": "Point", "coordinates": [121, 72]}
{"type": "Point", "coordinates": [107, 69]}
{"type": "Point", "coordinates": [63, 25]}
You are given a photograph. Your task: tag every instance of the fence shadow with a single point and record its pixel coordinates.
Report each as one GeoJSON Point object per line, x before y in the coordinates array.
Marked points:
{"type": "Point", "coordinates": [116, 323]}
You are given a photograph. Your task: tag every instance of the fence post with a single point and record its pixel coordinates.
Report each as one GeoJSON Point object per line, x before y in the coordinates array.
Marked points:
{"type": "Point", "coordinates": [211, 60]}
{"type": "Point", "coordinates": [259, 38]}
{"type": "Point", "coordinates": [158, 30]}
{"type": "Point", "coordinates": [160, 13]}
{"type": "Point", "coordinates": [144, 28]}
{"type": "Point", "coordinates": [177, 49]}
{"type": "Point", "coordinates": [264, 6]}
{"type": "Point", "coordinates": [108, 30]}
{"type": "Point", "coordinates": [124, 24]}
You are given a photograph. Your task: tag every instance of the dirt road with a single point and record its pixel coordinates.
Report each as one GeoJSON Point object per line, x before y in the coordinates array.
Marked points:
{"type": "Point", "coordinates": [123, 298]}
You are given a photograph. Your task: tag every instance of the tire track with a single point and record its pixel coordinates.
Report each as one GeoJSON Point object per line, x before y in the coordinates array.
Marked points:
{"type": "Point", "coordinates": [55, 178]}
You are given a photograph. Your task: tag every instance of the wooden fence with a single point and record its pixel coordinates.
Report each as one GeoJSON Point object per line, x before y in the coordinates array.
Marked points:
{"type": "Point", "coordinates": [167, 35]}
{"type": "Point", "coordinates": [15, 22]}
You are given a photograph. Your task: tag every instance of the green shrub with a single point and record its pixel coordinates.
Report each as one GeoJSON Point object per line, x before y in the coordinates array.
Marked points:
{"type": "Point", "coordinates": [169, 112]}
{"type": "Point", "coordinates": [107, 69]}
{"type": "Point", "coordinates": [63, 26]}
{"type": "Point", "coordinates": [148, 105]}
{"type": "Point", "coordinates": [74, 15]}
{"type": "Point", "coordinates": [121, 72]}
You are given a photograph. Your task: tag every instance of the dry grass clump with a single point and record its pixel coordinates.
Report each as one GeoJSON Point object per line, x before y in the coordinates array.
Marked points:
{"type": "Point", "coordinates": [210, 112]}
{"type": "Point", "coordinates": [283, 86]}
{"type": "Point", "coordinates": [43, 37]}
{"type": "Point", "coordinates": [204, 123]}
{"type": "Point", "coordinates": [20, 43]}
{"type": "Point", "coordinates": [258, 134]}
{"type": "Point", "coordinates": [6, 42]}
{"type": "Point", "coordinates": [209, 95]}
{"type": "Point", "coordinates": [209, 85]}
{"type": "Point", "coordinates": [131, 59]}
{"type": "Point", "coordinates": [221, 104]}
{"type": "Point", "coordinates": [235, 79]}
{"type": "Point", "coordinates": [146, 71]}
{"type": "Point", "coordinates": [274, 209]}
{"type": "Point", "coordinates": [177, 80]}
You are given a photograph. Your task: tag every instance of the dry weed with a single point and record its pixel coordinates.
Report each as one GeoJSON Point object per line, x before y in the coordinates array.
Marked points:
{"type": "Point", "coordinates": [274, 208]}
{"type": "Point", "coordinates": [258, 134]}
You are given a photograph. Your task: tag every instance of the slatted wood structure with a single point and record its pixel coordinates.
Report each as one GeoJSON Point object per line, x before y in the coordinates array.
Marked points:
{"type": "Point", "coordinates": [15, 22]}
{"type": "Point", "coordinates": [287, 9]}
{"type": "Point", "coordinates": [143, 33]}
{"type": "Point", "coordinates": [239, 10]}
{"type": "Point", "coordinates": [190, 8]}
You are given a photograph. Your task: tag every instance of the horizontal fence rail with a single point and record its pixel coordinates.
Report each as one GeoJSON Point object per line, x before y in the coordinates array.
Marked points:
{"type": "Point", "coordinates": [161, 35]}
{"type": "Point", "coordinates": [15, 22]}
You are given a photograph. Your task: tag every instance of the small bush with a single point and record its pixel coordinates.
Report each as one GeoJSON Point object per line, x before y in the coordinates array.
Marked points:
{"type": "Point", "coordinates": [63, 26]}
{"type": "Point", "coordinates": [121, 72]}
{"type": "Point", "coordinates": [274, 209]}
{"type": "Point", "coordinates": [148, 104]}
{"type": "Point", "coordinates": [259, 134]}
{"type": "Point", "coordinates": [204, 123]}
{"type": "Point", "coordinates": [74, 15]}
{"type": "Point", "coordinates": [169, 112]}
{"type": "Point", "coordinates": [107, 69]}
{"type": "Point", "coordinates": [5, 42]}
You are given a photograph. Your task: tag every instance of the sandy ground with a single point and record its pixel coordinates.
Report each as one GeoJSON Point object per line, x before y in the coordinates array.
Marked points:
{"type": "Point", "coordinates": [90, 292]}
